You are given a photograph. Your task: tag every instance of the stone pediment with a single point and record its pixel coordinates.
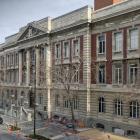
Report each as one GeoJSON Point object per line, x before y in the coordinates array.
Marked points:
{"type": "Point", "coordinates": [30, 32]}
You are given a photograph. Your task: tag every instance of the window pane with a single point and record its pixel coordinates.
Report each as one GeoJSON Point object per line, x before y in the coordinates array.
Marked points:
{"type": "Point", "coordinates": [101, 44]}
{"type": "Point", "coordinates": [134, 39]}
{"type": "Point", "coordinates": [118, 42]}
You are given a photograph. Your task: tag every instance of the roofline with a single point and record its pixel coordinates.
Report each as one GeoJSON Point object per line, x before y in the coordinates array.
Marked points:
{"type": "Point", "coordinates": [87, 6]}
{"type": "Point", "coordinates": [119, 13]}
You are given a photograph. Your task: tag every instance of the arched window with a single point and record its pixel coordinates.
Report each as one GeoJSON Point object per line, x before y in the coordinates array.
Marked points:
{"type": "Point", "coordinates": [101, 104]}
{"type": "Point", "coordinates": [134, 109]}
{"type": "Point", "coordinates": [118, 107]}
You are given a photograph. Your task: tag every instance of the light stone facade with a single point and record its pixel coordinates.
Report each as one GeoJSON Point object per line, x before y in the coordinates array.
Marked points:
{"type": "Point", "coordinates": [27, 58]}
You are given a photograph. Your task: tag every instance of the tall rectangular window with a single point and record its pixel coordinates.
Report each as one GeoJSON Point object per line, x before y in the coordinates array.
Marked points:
{"type": "Point", "coordinates": [57, 51]}
{"type": "Point", "coordinates": [101, 74]}
{"type": "Point", "coordinates": [101, 44]}
{"type": "Point", "coordinates": [66, 50]}
{"type": "Point", "coordinates": [133, 73]}
{"type": "Point", "coordinates": [118, 39]}
{"type": "Point", "coordinates": [76, 47]}
{"type": "Point", "coordinates": [134, 39]}
{"type": "Point", "coordinates": [117, 74]}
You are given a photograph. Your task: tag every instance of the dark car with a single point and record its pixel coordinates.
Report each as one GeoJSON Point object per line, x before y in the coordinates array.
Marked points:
{"type": "Point", "coordinates": [1, 120]}
{"type": "Point", "coordinates": [69, 125]}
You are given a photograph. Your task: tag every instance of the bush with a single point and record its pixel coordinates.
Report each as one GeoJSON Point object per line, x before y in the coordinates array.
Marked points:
{"type": "Point", "coordinates": [14, 128]}
{"type": "Point", "coordinates": [38, 137]}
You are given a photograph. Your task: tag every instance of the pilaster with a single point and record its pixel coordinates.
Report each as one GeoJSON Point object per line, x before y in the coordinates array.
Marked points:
{"type": "Point", "coordinates": [28, 67]}
{"type": "Point", "coordinates": [48, 78]}
{"type": "Point", "coordinates": [37, 65]}
{"type": "Point", "coordinates": [20, 68]}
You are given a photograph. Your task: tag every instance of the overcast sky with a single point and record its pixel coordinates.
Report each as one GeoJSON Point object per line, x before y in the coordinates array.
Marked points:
{"type": "Point", "coordinates": [17, 13]}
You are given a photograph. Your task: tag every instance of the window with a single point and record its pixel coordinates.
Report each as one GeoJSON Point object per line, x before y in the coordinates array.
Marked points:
{"type": "Point", "coordinates": [75, 102]}
{"type": "Point", "coordinates": [134, 109]}
{"type": "Point", "coordinates": [101, 104]}
{"type": "Point", "coordinates": [40, 98]}
{"type": "Point", "coordinates": [133, 73]}
{"type": "Point", "coordinates": [57, 100]}
{"type": "Point", "coordinates": [42, 53]}
{"type": "Point", "coordinates": [66, 102]}
{"type": "Point", "coordinates": [101, 75]}
{"type": "Point", "coordinates": [58, 51]}
{"type": "Point", "coordinates": [118, 39]}
{"type": "Point", "coordinates": [101, 44]}
{"type": "Point", "coordinates": [117, 74]}
{"type": "Point", "coordinates": [76, 48]}
{"type": "Point", "coordinates": [33, 54]}
{"type": "Point", "coordinates": [16, 59]}
{"type": "Point", "coordinates": [75, 75]}
{"type": "Point", "coordinates": [118, 107]}
{"type": "Point", "coordinates": [134, 39]}
{"type": "Point", "coordinates": [66, 50]}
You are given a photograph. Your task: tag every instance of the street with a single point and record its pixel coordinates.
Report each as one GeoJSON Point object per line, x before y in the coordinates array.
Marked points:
{"type": "Point", "coordinates": [6, 136]}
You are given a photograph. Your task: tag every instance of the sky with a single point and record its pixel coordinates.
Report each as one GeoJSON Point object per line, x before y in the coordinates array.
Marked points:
{"type": "Point", "coordinates": [15, 14]}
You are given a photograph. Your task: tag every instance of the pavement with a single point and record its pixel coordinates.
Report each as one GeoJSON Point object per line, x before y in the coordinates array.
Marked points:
{"type": "Point", "coordinates": [55, 131]}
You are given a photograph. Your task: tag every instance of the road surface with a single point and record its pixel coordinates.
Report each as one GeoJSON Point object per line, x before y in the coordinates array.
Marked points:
{"type": "Point", "coordinates": [5, 136]}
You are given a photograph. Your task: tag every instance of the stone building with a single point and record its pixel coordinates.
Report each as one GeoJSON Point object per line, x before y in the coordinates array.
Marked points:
{"type": "Point", "coordinates": [107, 84]}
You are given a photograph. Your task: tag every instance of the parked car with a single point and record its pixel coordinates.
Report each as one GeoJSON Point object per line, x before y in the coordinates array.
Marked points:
{"type": "Point", "coordinates": [1, 120]}
{"type": "Point", "coordinates": [69, 125]}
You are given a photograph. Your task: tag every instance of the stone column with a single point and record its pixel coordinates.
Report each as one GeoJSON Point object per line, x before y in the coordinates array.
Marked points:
{"type": "Point", "coordinates": [28, 67]}
{"type": "Point", "coordinates": [37, 65]}
{"type": "Point", "coordinates": [20, 68]}
{"type": "Point", "coordinates": [48, 78]}
{"type": "Point", "coordinates": [87, 67]}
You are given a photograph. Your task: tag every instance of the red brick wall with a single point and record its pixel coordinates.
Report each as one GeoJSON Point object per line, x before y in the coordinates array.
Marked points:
{"type": "Point", "coordinates": [109, 57]}
{"type": "Point", "coordinates": [81, 56]}
{"type": "Point", "coordinates": [98, 4]}
{"type": "Point", "coordinates": [93, 58]}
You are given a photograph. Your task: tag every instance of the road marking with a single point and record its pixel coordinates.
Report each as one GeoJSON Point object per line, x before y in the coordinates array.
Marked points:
{"type": "Point", "coordinates": [57, 137]}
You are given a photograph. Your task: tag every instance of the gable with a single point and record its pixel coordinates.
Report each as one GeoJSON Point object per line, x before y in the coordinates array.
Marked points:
{"type": "Point", "coordinates": [30, 32]}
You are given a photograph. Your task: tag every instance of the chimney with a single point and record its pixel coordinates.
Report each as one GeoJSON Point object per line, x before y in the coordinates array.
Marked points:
{"type": "Point", "coordinates": [98, 4]}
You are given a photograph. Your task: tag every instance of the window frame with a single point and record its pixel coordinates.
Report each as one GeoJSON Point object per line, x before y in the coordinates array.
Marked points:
{"type": "Point", "coordinates": [119, 68]}
{"type": "Point", "coordinates": [58, 52]}
{"type": "Point", "coordinates": [114, 42]}
{"type": "Point", "coordinates": [67, 50]}
{"type": "Point", "coordinates": [101, 105]}
{"type": "Point", "coordinates": [98, 46]}
{"type": "Point", "coordinates": [130, 48]}
{"type": "Point", "coordinates": [104, 74]}
{"type": "Point", "coordinates": [129, 73]}
{"type": "Point", "coordinates": [118, 104]}
{"type": "Point", "coordinates": [78, 48]}
{"type": "Point", "coordinates": [132, 106]}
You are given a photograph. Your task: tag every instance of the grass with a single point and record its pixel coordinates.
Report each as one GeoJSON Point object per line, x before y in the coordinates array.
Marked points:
{"type": "Point", "coordinates": [38, 137]}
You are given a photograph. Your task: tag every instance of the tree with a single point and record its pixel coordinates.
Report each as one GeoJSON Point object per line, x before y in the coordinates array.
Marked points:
{"type": "Point", "coordinates": [67, 75]}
